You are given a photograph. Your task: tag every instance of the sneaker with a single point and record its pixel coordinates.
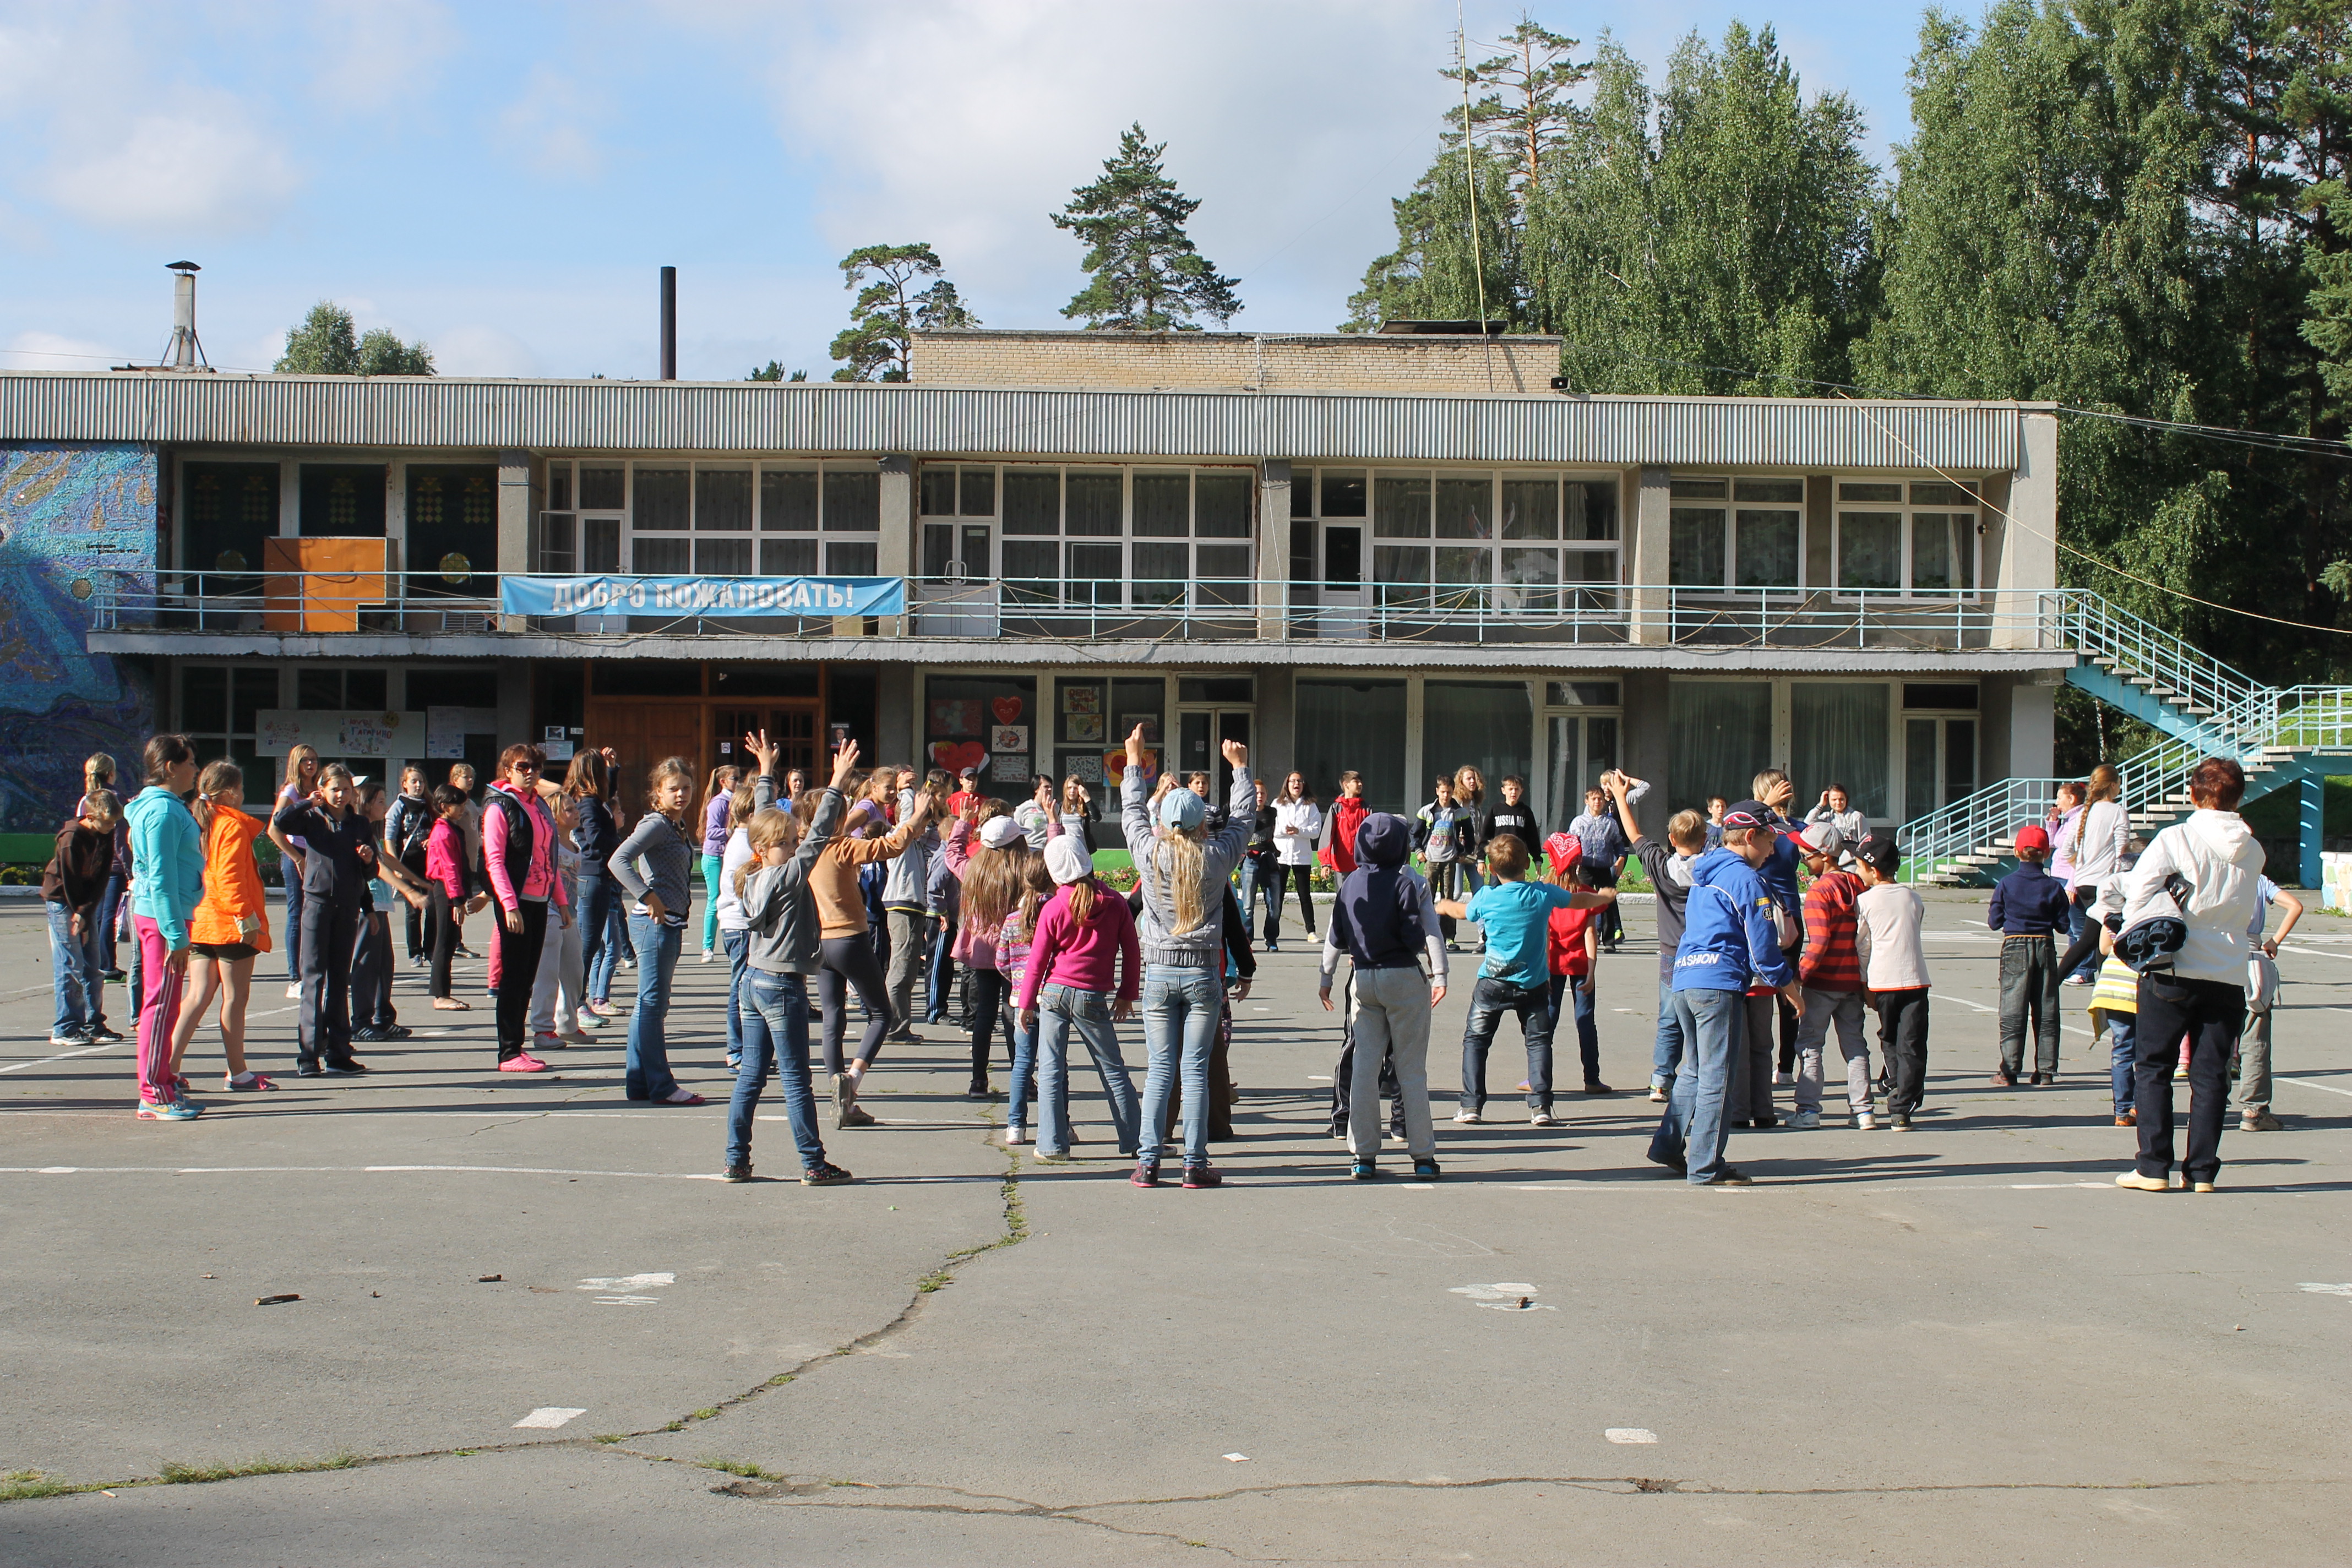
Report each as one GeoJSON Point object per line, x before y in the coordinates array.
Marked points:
{"type": "Point", "coordinates": [2041, 1078]}
{"type": "Point", "coordinates": [114, 977]}
{"type": "Point", "coordinates": [1424, 1168]}
{"type": "Point", "coordinates": [1594, 1085]}
{"type": "Point", "coordinates": [1469, 1118]}
{"type": "Point", "coordinates": [1147, 1175]}
{"type": "Point", "coordinates": [979, 1090]}
{"type": "Point", "coordinates": [1274, 946]}
{"type": "Point", "coordinates": [2004, 1079]}
{"type": "Point", "coordinates": [293, 994]}
{"type": "Point", "coordinates": [394, 1031]}
{"type": "Point", "coordinates": [2078, 980]}
{"type": "Point", "coordinates": [935, 1020]}
{"type": "Point", "coordinates": [2127, 1119]}
{"type": "Point", "coordinates": [1898, 1124]}
{"type": "Point", "coordinates": [856, 1116]}
{"type": "Point", "coordinates": [253, 1083]}
{"type": "Point", "coordinates": [826, 1174]}
{"type": "Point", "coordinates": [2140, 1183]}
{"type": "Point", "coordinates": [1783, 1078]}
{"type": "Point", "coordinates": [1542, 1119]}
{"type": "Point", "coordinates": [1761, 1122]}
{"type": "Point", "coordinates": [418, 961]}
{"type": "Point", "coordinates": [1050, 1156]}
{"type": "Point", "coordinates": [172, 1111]}
{"type": "Point", "coordinates": [589, 1018]}
{"type": "Point", "coordinates": [309, 1069]}
{"type": "Point", "coordinates": [604, 1009]}
{"type": "Point", "coordinates": [1730, 1177]}
{"type": "Point", "coordinates": [625, 964]}
{"type": "Point", "coordinates": [344, 1068]}
{"type": "Point", "coordinates": [1863, 1122]}
{"type": "Point", "coordinates": [907, 1038]}
{"type": "Point", "coordinates": [2180, 1072]}
{"type": "Point", "coordinates": [1805, 1120]}
{"type": "Point", "coordinates": [547, 1043]}
{"type": "Point", "coordinates": [736, 1173]}
{"type": "Point", "coordinates": [1658, 1094]}
{"type": "Point", "coordinates": [67, 1038]}
{"type": "Point", "coordinates": [2259, 1120]}
{"type": "Point", "coordinates": [575, 1038]}
{"type": "Point", "coordinates": [105, 1034]}
{"type": "Point", "coordinates": [1360, 1171]}
{"type": "Point", "coordinates": [734, 1064]}
{"type": "Point", "coordinates": [2200, 1186]}
{"type": "Point", "coordinates": [369, 1035]}
{"type": "Point", "coordinates": [709, 955]}
{"type": "Point", "coordinates": [1015, 1136]}
{"type": "Point", "coordinates": [526, 1062]}
{"type": "Point", "coordinates": [1202, 1175]}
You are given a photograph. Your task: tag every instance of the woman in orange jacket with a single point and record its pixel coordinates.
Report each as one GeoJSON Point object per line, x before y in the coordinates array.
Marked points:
{"type": "Point", "coordinates": [846, 959]}
{"type": "Point", "coordinates": [231, 927]}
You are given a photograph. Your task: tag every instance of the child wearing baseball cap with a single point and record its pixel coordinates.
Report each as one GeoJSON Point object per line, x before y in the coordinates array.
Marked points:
{"type": "Point", "coordinates": [2029, 906]}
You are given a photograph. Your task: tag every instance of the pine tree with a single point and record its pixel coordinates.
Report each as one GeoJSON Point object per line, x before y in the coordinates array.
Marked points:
{"type": "Point", "coordinates": [877, 344]}
{"type": "Point", "coordinates": [774, 371]}
{"type": "Point", "coordinates": [1525, 110]}
{"type": "Point", "coordinates": [1145, 275]}
{"type": "Point", "coordinates": [327, 344]}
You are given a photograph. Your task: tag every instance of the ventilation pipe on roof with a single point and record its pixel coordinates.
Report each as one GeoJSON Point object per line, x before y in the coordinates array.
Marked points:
{"type": "Point", "coordinates": [669, 323]}
{"type": "Point", "coordinates": [185, 352]}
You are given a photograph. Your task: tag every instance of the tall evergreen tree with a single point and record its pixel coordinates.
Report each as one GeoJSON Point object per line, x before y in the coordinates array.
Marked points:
{"type": "Point", "coordinates": [878, 343]}
{"type": "Point", "coordinates": [328, 344]}
{"type": "Point", "coordinates": [1145, 273]}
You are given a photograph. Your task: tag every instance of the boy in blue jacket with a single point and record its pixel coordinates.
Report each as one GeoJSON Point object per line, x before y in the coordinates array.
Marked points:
{"type": "Point", "coordinates": [1727, 936]}
{"type": "Point", "coordinates": [2028, 906]}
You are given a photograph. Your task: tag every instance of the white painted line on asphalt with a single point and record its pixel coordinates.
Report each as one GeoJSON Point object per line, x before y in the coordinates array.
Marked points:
{"type": "Point", "coordinates": [547, 1417]}
{"type": "Point", "coordinates": [2307, 1083]}
{"type": "Point", "coordinates": [1238, 1458]}
{"type": "Point", "coordinates": [1628, 1435]}
{"type": "Point", "coordinates": [342, 1170]}
{"type": "Point", "coordinates": [627, 1282]}
{"type": "Point", "coordinates": [2329, 1290]}
{"type": "Point", "coordinates": [2321, 952]}
{"type": "Point", "coordinates": [66, 1056]}
{"type": "Point", "coordinates": [1805, 1183]}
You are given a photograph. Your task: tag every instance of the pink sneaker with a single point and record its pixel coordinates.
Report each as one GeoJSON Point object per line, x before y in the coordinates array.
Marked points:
{"type": "Point", "coordinates": [257, 1084]}
{"type": "Point", "coordinates": [523, 1063]}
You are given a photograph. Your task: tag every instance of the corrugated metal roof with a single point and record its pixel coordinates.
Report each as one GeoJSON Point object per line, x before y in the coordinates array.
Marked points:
{"type": "Point", "coordinates": [830, 418]}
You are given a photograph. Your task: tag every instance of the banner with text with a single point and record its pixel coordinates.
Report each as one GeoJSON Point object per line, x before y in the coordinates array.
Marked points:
{"type": "Point", "coordinates": [614, 595]}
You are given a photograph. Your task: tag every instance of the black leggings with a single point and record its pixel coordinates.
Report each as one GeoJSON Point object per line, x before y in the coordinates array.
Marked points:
{"type": "Point", "coordinates": [992, 998]}
{"type": "Point", "coordinates": [2085, 946]}
{"type": "Point", "coordinates": [1283, 877]}
{"type": "Point", "coordinates": [517, 971]}
{"type": "Point", "coordinates": [440, 936]}
{"type": "Point", "coordinates": [848, 961]}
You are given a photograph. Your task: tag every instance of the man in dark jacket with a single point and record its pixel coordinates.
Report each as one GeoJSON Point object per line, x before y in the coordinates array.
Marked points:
{"type": "Point", "coordinates": [2029, 906]}
{"type": "Point", "coordinates": [73, 887]}
{"type": "Point", "coordinates": [1385, 920]}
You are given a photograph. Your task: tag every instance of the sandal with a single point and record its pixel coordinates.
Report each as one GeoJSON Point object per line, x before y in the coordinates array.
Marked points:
{"type": "Point", "coordinates": [682, 1095]}
{"type": "Point", "coordinates": [451, 1004]}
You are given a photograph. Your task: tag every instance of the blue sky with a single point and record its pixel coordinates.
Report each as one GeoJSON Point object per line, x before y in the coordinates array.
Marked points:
{"type": "Point", "coordinates": [502, 180]}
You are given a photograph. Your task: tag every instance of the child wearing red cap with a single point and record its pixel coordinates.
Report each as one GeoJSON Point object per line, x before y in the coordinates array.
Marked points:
{"type": "Point", "coordinates": [2029, 906]}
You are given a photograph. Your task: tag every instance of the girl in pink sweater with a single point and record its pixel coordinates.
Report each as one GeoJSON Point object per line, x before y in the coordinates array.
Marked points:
{"type": "Point", "coordinates": [1083, 947]}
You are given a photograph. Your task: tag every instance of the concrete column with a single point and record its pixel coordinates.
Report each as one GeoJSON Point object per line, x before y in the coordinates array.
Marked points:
{"type": "Point", "coordinates": [289, 498]}
{"type": "Point", "coordinates": [1651, 536]}
{"type": "Point", "coordinates": [897, 554]}
{"type": "Point", "coordinates": [396, 516]}
{"type": "Point", "coordinates": [2029, 536]}
{"type": "Point", "coordinates": [1643, 742]}
{"type": "Point", "coordinates": [2310, 823]}
{"type": "Point", "coordinates": [1272, 548]}
{"type": "Point", "coordinates": [2033, 731]}
{"type": "Point", "coordinates": [515, 538]}
{"type": "Point", "coordinates": [1416, 693]}
{"type": "Point", "coordinates": [1274, 749]}
{"type": "Point", "coordinates": [893, 716]}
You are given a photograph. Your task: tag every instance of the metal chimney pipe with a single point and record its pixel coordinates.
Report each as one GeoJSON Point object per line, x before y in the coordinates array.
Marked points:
{"type": "Point", "coordinates": [669, 323]}
{"type": "Point", "coordinates": [186, 351]}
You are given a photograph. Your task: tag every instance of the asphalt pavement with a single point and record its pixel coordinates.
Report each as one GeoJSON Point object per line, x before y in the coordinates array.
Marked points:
{"type": "Point", "coordinates": [532, 1324]}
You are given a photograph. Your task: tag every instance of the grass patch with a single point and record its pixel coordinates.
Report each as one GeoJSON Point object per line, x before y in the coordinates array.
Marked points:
{"type": "Point", "coordinates": [1017, 1231]}
{"type": "Point", "coordinates": [675, 1427]}
{"type": "Point", "coordinates": [178, 1474]}
{"type": "Point", "coordinates": [743, 1467]}
{"type": "Point", "coordinates": [610, 1437]}
{"type": "Point", "coordinates": [19, 1484]}
{"type": "Point", "coordinates": [780, 1379]}
{"type": "Point", "coordinates": [705, 1414]}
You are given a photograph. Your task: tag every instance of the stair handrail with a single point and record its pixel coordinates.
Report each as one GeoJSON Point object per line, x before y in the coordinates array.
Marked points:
{"type": "Point", "coordinates": [2093, 626]}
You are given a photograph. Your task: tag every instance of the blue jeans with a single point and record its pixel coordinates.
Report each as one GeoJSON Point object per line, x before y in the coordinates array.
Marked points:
{"type": "Point", "coordinates": [2120, 1044]}
{"type": "Point", "coordinates": [1024, 1071]}
{"type": "Point", "coordinates": [1588, 1032]}
{"type": "Point", "coordinates": [775, 1039]}
{"type": "Point", "coordinates": [657, 942]}
{"type": "Point", "coordinates": [1490, 999]}
{"type": "Point", "coordinates": [293, 919]}
{"type": "Point", "coordinates": [74, 967]}
{"type": "Point", "coordinates": [1692, 1132]}
{"type": "Point", "coordinates": [1180, 1030]}
{"type": "Point", "coordinates": [600, 943]}
{"type": "Point", "coordinates": [935, 991]}
{"type": "Point", "coordinates": [1666, 1055]}
{"type": "Point", "coordinates": [1061, 1009]}
{"type": "Point", "coordinates": [110, 905]}
{"type": "Point", "coordinates": [738, 947]}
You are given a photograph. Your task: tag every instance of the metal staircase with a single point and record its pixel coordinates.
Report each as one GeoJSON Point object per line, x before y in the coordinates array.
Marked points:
{"type": "Point", "coordinates": [2283, 736]}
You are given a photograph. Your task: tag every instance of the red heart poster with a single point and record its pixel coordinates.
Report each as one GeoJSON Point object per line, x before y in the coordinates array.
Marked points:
{"type": "Point", "coordinates": [1007, 708]}
{"type": "Point", "coordinates": [957, 755]}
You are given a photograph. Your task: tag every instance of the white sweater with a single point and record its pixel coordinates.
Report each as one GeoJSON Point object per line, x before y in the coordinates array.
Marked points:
{"type": "Point", "coordinates": [2103, 830]}
{"type": "Point", "coordinates": [1296, 824]}
{"type": "Point", "coordinates": [2222, 861]}
{"type": "Point", "coordinates": [1887, 920]}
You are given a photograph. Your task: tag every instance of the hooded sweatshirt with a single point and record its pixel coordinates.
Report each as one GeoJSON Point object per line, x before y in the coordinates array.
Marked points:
{"type": "Point", "coordinates": [169, 855]}
{"type": "Point", "coordinates": [2222, 862]}
{"type": "Point", "coordinates": [1668, 869]}
{"type": "Point", "coordinates": [1163, 943]}
{"type": "Point", "coordinates": [1345, 820]}
{"type": "Point", "coordinates": [779, 911]}
{"type": "Point", "coordinates": [1727, 931]}
{"type": "Point", "coordinates": [1384, 916]}
{"type": "Point", "coordinates": [234, 908]}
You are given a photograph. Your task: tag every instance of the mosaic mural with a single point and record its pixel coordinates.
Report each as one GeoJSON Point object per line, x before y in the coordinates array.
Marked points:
{"type": "Point", "coordinates": [73, 518]}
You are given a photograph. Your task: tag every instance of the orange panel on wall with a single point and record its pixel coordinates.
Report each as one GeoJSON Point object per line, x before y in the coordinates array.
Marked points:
{"type": "Point", "coordinates": [319, 584]}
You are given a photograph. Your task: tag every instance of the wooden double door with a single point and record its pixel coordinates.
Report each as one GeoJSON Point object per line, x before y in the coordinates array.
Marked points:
{"type": "Point", "coordinates": [643, 731]}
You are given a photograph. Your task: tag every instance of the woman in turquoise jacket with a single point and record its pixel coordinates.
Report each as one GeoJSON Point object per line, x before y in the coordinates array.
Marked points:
{"type": "Point", "coordinates": [167, 862]}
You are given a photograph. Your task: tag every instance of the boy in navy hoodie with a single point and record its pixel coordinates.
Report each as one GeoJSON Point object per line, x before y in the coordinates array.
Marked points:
{"type": "Point", "coordinates": [1386, 921]}
{"type": "Point", "coordinates": [1728, 935]}
{"type": "Point", "coordinates": [2029, 906]}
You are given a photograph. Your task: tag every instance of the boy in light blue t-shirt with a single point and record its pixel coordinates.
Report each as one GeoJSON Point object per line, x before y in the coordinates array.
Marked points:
{"type": "Point", "coordinates": [1515, 976]}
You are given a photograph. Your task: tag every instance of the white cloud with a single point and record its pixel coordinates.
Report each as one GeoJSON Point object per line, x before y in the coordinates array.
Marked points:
{"type": "Point", "coordinates": [200, 170]}
{"type": "Point", "coordinates": [551, 127]}
{"type": "Point", "coordinates": [377, 54]}
{"type": "Point", "coordinates": [51, 351]}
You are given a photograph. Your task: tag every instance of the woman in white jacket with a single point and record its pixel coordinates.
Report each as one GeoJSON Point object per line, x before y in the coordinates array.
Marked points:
{"type": "Point", "coordinates": [2202, 994]}
{"type": "Point", "coordinates": [1298, 824]}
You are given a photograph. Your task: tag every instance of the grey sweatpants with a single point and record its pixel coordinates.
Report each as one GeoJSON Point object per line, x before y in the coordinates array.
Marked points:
{"type": "Point", "coordinates": [1845, 1009]}
{"type": "Point", "coordinates": [1391, 1020]}
{"type": "Point", "coordinates": [907, 928]}
{"type": "Point", "coordinates": [2254, 1063]}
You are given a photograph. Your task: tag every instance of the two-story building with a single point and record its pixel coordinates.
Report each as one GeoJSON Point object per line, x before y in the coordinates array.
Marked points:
{"type": "Point", "coordinates": [1397, 554]}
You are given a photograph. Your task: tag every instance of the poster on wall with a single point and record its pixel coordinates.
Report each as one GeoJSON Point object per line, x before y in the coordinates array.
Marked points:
{"type": "Point", "coordinates": [445, 730]}
{"type": "Point", "coordinates": [369, 735]}
{"type": "Point", "coordinates": [1007, 708]}
{"type": "Point", "coordinates": [1115, 767]}
{"type": "Point", "coordinates": [957, 755]}
{"type": "Point", "coordinates": [1009, 738]}
{"type": "Point", "coordinates": [955, 717]}
{"type": "Point", "coordinates": [1008, 768]}
{"type": "Point", "coordinates": [1085, 728]}
{"type": "Point", "coordinates": [1150, 723]}
{"type": "Point", "coordinates": [1082, 699]}
{"type": "Point", "coordinates": [1084, 766]}
{"type": "Point", "coordinates": [332, 734]}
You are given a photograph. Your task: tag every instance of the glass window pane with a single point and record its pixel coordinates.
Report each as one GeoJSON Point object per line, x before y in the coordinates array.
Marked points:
{"type": "Point", "coordinates": [559, 486]}
{"type": "Point", "coordinates": [1401, 507]}
{"type": "Point", "coordinates": [979, 492]}
{"type": "Point", "coordinates": [724, 557]}
{"type": "Point", "coordinates": [1487, 725]}
{"type": "Point", "coordinates": [1095, 574]}
{"type": "Point", "coordinates": [603, 488]}
{"type": "Point", "coordinates": [1583, 694]}
{"type": "Point", "coordinates": [1718, 737]}
{"type": "Point", "coordinates": [319, 690]}
{"type": "Point", "coordinates": [1696, 489]}
{"type": "Point", "coordinates": [1463, 575]}
{"type": "Point", "coordinates": [1465, 507]}
{"type": "Point", "coordinates": [975, 550]}
{"type": "Point", "coordinates": [203, 699]}
{"type": "Point", "coordinates": [1964, 547]}
{"type": "Point", "coordinates": [1033, 568]}
{"type": "Point", "coordinates": [788, 557]}
{"type": "Point", "coordinates": [1532, 509]}
{"type": "Point", "coordinates": [1592, 510]}
{"type": "Point", "coordinates": [600, 544]}
{"type": "Point", "coordinates": [939, 490]}
{"type": "Point", "coordinates": [1592, 566]}
{"type": "Point", "coordinates": [1033, 501]}
{"type": "Point", "coordinates": [1343, 559]}
{"type": "Point", "coordinates": [1223, 574]}
{"type": "Point", "coordinates": [1160, 570]}
{"type": "Point", "coordinates": [1870, 549]}
{"type": "Point", "coordinates": [853, 502]}
{"type": "Point", "coordinates": [1941, 494]}
{"type": "Point", "coordinates": [1343, 493]}
{"type": "Point", "coordinates": [1768, 548]}
{"type": "Point", "coordinates": [662, 557]}
{"type": "Point", "coordinates": [1302, 492]}
{"type": "Point", "coordinates": [1838, 735]}
{"type": "Point", "coordinates": [939, 549]}
{"type": "Point", "coordinates": [1401, 571]}
{"type": "Point", "coordinates": [1931, 551]}
{"type": "Point", "coordinates": [788, 501]}
{"type": "Point", "coordinates": [251, 689]}
{"type": "Point", "coordinates": [1786, 491]}
{"type": "Point", "coordinates": [1959, 759]}
{"type": "Point", "coordinates": [1163, 506]}
{"type": "Point", "coordinates": [722, 501]}
{"type": "Point", "coordinates": [663, 500]}
{"type": "Point", "coordinates": [1919, 768]}
{"type": "Point", "coordinates": [1093, 503]}
{"type": "Point", "coordinates": [557, 535]}
{"type": "Point", "coordinates": [366, 689]}
{"type": "Point", "coordinates": [1871, 493]}
{"type": "Point", "coordinates": [1530, 580]}
{"type": "Point", "coordinates": [1222, 504]}
{"type": "Point", "coordinates": [844, 558]}
{"type": "Point", "coordinates": [1333, 717]}
{"type": "Point", "coordinates": [1694, 547]}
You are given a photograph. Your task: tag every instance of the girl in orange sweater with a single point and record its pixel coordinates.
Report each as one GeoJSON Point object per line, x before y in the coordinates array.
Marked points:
{"type": "Point", "coordinates": [231, 927]}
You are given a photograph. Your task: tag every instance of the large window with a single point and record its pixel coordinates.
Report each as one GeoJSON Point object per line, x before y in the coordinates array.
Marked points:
{"type": "Point", "coordinates": [1838, 735]}
{"type": "Point", "coordinates": [1338, 722]}
{"type": "Point", "coordinates": [1736, 532]}
{"type": "Point", "coordinates": [231, 508]}
{"type": "Point", "coordinates": [1472, 540]}
{"type": "Point", "coordinates": [674, 518]}
{"type": "Point", "coordinates": [1488, 725]}
{"type": "Point", "coordinates": [453, 528]}
{"type": "Point", "coordinates": [1914, 537]}
{"type": "Point", "coordinates": [1719, 736]}
{"type": "Point", "coordinates": [1095, 536]}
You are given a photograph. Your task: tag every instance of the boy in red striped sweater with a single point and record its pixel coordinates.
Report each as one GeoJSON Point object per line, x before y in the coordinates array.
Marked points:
{"type": "Point", "coordinates": [1831, 974]}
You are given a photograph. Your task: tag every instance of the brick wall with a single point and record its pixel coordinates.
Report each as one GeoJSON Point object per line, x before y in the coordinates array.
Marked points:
{"type": "Point", "coordinates": [1237, 361]}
